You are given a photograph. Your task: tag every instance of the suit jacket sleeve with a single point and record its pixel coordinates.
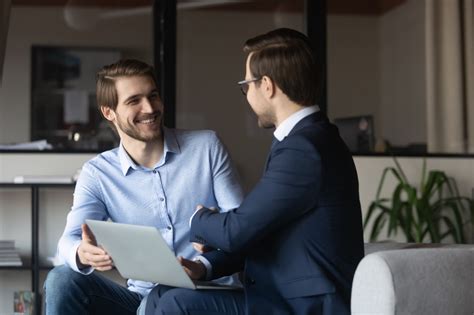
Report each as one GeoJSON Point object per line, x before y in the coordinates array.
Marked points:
{"type": "Point", "coordinates": [288, 189]}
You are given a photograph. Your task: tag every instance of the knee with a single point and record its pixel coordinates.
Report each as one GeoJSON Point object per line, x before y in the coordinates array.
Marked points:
{"type": "Point", "coordinates": [57, 278]}
{"type": "Point", "coordinates": [169, 304]}
{"type": "Point", "coordinates": [163, 301]}
{"type": "Point", "coordinates": [61, 281]}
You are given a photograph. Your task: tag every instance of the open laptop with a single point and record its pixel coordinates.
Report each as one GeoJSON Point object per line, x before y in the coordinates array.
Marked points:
{"type": "Point", "coordinates": [141, 253]}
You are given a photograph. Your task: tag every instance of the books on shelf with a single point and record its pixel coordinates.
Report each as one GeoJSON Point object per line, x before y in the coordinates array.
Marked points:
{"type": "Point", "coordinates": [7, 244]}
{"type": "Point", "coordinates": [9, 256]}
{"type": "Point", "coordinates": [43, 179]}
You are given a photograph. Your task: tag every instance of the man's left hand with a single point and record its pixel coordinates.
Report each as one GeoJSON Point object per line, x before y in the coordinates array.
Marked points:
{"type": "Point", "coordinates": [195, 269]}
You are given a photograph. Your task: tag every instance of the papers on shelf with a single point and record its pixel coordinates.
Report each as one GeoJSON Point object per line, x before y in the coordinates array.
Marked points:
{"type": "Point", "coordinates": [34, 145]}
{"type": "Point", "coordinates": [9, 256]}
{"type": "Point", "coordinates": [43, 179]}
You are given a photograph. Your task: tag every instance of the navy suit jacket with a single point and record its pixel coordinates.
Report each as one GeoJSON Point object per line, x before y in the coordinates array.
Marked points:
{"type": "Point", "coordinates": [298, 234]}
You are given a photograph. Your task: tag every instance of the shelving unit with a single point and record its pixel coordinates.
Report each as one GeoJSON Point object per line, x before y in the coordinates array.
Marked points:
{"type": "Point", "coordinates": [34, 266]}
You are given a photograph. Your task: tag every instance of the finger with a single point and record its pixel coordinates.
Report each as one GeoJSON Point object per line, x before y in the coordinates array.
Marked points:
{"type": "Point", "coordinates": [187, 265]}
{"type": "Point", "coordinates": [183, 261]}
{"type": "Point", "coordinates": [100, 262]}
{"type": "Point", "coordinates": [198, 207]}
{"type": "Point", "coordinates": [101, 247]}
{"type": "Point", "coordinates": [97, 259]}
{"type": "Point", "coordinates": [92, 249]}
{"type": "Point", "coordinates": [199, 247]}
{"type": "Point", "coordinates": [213, 208]}
{"type": "Point", "coordinates": [87, 234]}
{"type": "Point", "coordinates": [104, 268]}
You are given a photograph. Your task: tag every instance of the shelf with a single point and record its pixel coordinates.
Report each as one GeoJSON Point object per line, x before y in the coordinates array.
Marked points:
{"type": "Point", "coordinates": [16, 267]}
{"type": "Point", "coordinates": [34, 265]}
{"type": "Point", "coordinates": [27, 267]}
{"type": "Point", "coordinates": [26, 185]}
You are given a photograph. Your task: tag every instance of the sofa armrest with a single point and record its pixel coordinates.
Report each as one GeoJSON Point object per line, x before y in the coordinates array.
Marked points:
{"type": "Point", "coordinates": [415, 281]}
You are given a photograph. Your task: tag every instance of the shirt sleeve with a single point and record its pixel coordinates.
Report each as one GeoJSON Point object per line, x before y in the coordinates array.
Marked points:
{"type": "Point", "coordinates": [227, 189]}
{"type": "Point", "coordinates": [87, 204]}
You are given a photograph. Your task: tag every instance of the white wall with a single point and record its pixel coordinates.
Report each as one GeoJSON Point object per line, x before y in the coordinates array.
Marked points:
{"type": "Point", "coordinates": [353, 56]}
{"type": "Point", "coordinates": [402, 74]}
{"type": "Point", "coordinates": [376, 65]}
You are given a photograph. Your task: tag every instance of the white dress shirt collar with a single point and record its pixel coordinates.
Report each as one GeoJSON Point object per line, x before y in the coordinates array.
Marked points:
{"type": "Point", "coordinates": [287, 125]}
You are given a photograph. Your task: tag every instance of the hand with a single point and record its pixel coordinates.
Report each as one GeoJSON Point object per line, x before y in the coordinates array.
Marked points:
{"type": "Point", "coordinates": [199, 207]}
{"type": "Point", "coordinates": [195, 269]}
{"type": "Point", "coordinates": [90, 255]}
{"type": "Point", "coordinates": [201, 248]}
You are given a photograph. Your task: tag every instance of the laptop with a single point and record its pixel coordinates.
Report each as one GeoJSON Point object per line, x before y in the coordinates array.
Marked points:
{"type": "Point", "coordinates": [141, 253]}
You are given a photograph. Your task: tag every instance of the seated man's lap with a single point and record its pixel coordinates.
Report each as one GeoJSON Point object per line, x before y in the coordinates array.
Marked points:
{"type": "Point", "coordinates": [170, 300]}
{"type": "Point", "coordinates": [68, 291]}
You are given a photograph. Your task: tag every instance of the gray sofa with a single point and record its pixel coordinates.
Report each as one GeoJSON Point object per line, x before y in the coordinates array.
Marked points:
{"type": "Point", "coordinates": [397, 278]}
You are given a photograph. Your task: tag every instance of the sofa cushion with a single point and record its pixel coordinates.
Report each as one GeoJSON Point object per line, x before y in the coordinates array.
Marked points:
{"type": "Point", "coordinates": [436, 280]}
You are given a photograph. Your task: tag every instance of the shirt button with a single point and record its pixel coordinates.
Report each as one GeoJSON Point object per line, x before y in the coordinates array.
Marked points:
{"type": "Point", "coordinates": [162, 199]}
{"type": "Point", "coordinates": [169, 228]}
{"type": "Point", "coordinates": [154, 171]}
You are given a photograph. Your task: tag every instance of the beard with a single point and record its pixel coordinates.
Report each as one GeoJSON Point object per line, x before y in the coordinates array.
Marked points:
{"type": "Point", "coordinates": [265, 124]}
{"type": "Point", "coordinates": [266, 120]}
{"type": "Point", "coordinates": [131, 129]}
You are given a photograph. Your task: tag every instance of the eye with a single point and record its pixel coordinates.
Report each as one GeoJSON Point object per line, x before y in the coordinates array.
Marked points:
{"type": "Point", "coordinates": [154, 96]}
{"type": "Point", "coordinates": [133, 101]}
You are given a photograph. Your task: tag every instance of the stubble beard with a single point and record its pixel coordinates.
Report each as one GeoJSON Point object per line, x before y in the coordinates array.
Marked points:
{"type": "Point", "coordinates": [135, 133]}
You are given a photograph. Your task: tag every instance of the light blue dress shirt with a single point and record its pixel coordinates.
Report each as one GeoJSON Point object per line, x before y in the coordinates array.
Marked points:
{"type": "Point", "coordinates": [195, 169]}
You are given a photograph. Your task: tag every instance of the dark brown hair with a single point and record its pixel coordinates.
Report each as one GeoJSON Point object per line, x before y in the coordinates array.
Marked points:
{"type": "Point", "coordinates": [286, 56]}
{"type": "Point", "coordinates": [105, 87]}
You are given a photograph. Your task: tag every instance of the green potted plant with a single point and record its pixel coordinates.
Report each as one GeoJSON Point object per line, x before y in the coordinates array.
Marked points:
{"type": "Point", "coordinates": [430, 213]}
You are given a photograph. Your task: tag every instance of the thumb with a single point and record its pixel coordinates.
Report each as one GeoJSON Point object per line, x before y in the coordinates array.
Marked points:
{"type": "Point", "coordinates": [87, 235]}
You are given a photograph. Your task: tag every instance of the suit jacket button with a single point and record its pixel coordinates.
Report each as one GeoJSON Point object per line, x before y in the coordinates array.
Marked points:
{"type": "Point", "coordinates": [250, 281]}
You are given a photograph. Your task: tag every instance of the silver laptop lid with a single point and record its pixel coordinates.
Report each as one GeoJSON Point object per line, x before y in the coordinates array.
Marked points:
{"type": "Point", "coordinates": [141, 253]}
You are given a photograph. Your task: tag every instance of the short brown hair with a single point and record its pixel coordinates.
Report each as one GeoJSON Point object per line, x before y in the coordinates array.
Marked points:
{"type": "Point", "coordinates": [105, 87]}
{"type": "Point", "coordinates": [286, 56]}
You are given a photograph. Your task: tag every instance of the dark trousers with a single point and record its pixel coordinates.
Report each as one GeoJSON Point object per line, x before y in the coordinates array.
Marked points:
{"type": "Point", "coordinates": [170, 300]}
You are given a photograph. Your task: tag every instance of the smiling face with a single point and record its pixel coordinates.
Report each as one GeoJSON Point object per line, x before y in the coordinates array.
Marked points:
{"type": "Point", "coordinates": [139, 112]}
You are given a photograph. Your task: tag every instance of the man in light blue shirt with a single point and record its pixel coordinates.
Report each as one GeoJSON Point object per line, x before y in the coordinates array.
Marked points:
{"type": "Point", "coordinates": [155, 177]}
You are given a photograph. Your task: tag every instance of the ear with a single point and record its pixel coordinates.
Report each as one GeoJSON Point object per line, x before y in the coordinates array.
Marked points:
{"type": "Point", "coordinates": [268, 87]}
{"type": "Point", "coordinates": [108, 113]}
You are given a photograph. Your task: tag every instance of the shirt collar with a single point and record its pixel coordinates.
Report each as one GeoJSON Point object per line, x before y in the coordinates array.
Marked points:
{"type": "Point", "coordinates": [289, 123]}
{"type": "Point", "coordinates": [171, 145]}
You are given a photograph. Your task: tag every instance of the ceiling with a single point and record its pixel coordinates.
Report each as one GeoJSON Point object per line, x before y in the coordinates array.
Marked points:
{"type": "Point", "coordinates": [359, 7]}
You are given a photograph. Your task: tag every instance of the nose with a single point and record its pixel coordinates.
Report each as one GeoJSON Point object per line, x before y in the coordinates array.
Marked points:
{"type": "Point", "coordinates": [147, 106]}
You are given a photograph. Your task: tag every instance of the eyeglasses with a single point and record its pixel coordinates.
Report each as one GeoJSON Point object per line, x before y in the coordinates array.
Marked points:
{"type": "Point", "coordinates": [244, 84]}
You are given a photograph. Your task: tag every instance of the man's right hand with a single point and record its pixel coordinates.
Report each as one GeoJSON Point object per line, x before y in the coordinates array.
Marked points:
{"type": "Point", "coordinates": [90, 255]}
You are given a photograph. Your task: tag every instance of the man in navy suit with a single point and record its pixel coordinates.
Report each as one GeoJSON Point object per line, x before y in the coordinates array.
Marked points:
{"type": "Point", "coordinates": [297, 236]}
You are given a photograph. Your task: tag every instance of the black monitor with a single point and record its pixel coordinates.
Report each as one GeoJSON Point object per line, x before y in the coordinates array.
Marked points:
{"type": "Point", "coordinates": [357, 132]}
{"type": "Point", "coordinates": [5, 6]}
